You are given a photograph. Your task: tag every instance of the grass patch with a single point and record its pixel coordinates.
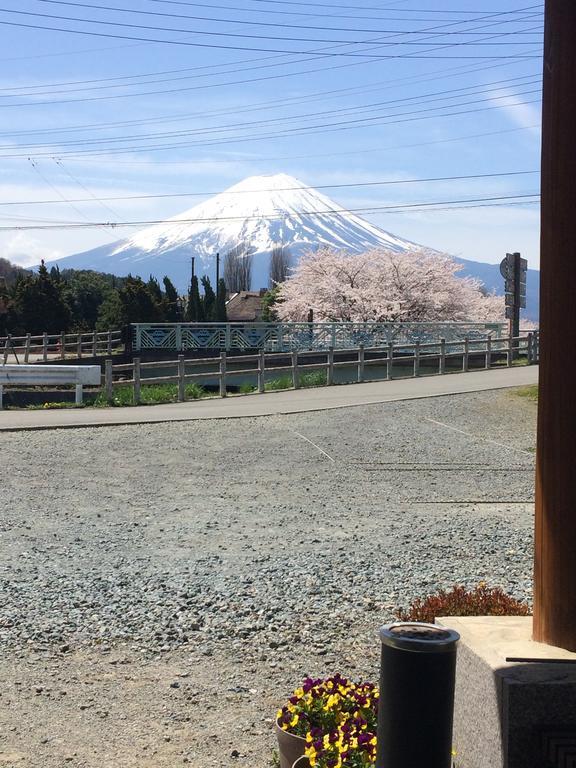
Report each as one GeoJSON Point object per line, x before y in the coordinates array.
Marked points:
{"type": "Point", "coordinates": [529, 393]}
{"type": "Point", "coordinates": [152, 394]}
{"type": "Point", "coordinates": [246, 389]}
{"type": "Point", "coordinates": [53, 406]}
{"type": "Point", "coordinates": [305, 380]}
{"type": "Point", "coordinates": [285, 382]}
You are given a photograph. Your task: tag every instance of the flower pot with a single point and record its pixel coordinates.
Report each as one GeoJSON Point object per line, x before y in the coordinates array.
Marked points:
{"type": "Point", "coordinates": [290, 748]}
{"type": "Point", "coordinates": [302, 762]}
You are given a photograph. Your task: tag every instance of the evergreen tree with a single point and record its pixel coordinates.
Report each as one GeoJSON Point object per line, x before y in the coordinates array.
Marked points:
{"type": "Point", "coordinates": [220, 315]}
{"type": "Point", "coordinates": [39, 304]}
{"type": "Point", "coordinates": [154, 289]}
{"type": "Point", "coordinates": [138, 303]}
{"type": "Point", "coordinates": [208, 300]}
{"type": "Point", "coordinates": [194, 308]}
{"type": "Point", "coordinates": [173, 311]}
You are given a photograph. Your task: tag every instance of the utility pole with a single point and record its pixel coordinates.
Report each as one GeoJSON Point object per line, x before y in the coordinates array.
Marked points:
{"type": "Point", "coordinates": [192, 277]}
{"type": "Point", "coordinates": [217, 267]}
{"type": "Point", "coordinates": [555, 532]}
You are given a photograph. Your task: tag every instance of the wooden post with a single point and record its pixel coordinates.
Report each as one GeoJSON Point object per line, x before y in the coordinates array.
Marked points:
{"type": "Point", "coordinates": [295, 382]}
{"type": "Point", "coordinates": [466, 355]}
{"type": "Point", "coordinates": [108, 379]}
{"type": "Point", "coordinates": [261, 368]}
{"type": "Point", "coordinates": [136, 376]}
{"type": "Point", "coordinates": [488, 363]}
{"type": "Point", "coordinates": [223, 391]}
{"type": "Point", "coordinates": [27, 348]}
{"type": "Point", "coordinates": [79, 346]}
{"type": "Point", "coordinates": [442, 358]}
{"type": "Point", "coordinates": [6, 348]}
{"type": "Point", "coordinates": [529, 348]}
{"type": "Point", "coordinates": [389, 360]}
{"type": "Point", "coordinates": [510, 354]}
{"type": "Point", "coordinates": [181, 378]}
{"type": "Point", "coordinates": [109, 343]}
{"type": "Point", "coordinates": [361, 363]}
{"type": "Point", "coordinates": [94, 344]}
{"type": "Point", "coordinates": [45, 346]}
{"type": "Point", "coordinates": [62, 345]}
{"type": "Point", "coordinates": [78, 398]}
{"type": "Point", "coordinates": [555, 529]}
{"type": "Point", "coordinates": [330, 367]}
{"type": "Point", "coordinates": [417, 359]}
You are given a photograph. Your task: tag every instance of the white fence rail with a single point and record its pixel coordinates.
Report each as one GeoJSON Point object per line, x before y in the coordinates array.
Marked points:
{"type": "Point", "coordinates": [404, 360]}
{"type": "Point", "coordinates": [49, 346]}
{"type": "Point", "coordinates": [49, 376]}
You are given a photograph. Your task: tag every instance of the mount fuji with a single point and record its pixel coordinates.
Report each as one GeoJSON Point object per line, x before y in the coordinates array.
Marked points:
{"type": "Point", "coordinates": [263, 212]}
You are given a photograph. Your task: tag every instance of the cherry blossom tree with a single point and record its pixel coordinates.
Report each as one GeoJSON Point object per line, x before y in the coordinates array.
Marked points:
{"type": "Point", "coordinates": [382, 285]}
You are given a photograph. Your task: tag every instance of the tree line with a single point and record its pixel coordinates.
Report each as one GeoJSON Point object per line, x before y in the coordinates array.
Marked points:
{"type": "Point", "coordinates": [83, 300]}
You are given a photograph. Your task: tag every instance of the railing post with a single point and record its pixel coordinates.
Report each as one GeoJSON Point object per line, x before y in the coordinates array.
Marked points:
{"type": "Point", "coordinates": [488, 362]}
{"type": "Point", "coordinates": [181, 378]}
{"type": "Point", "coordinates": [45, 346]}
{"type": "Point", "coordinates": [510, 355]}
{"type": "Point", "coordinates": [79, 346]}
{"type": "Point", "coordinates": [361, 363]}
{"type": "Point", "coordinates": [6, 348]}
{"type": "Point", "coordinates": [27, 348]}
{"type": "Point", "coordinates": [261, 364]}
{"type": "Point", "coordinates": [78, 398]}
{"type": "Point", "coordinates": [108, 379]}
{"type": "Point", "coordinates": [389, 361]}
{"type": "Point", "coordinates": [330, 367]}
{"type": "Point", "coordinates": [178, 334]}
{"type": "Point", "coordinates": [223, 391]}
{"type": "Point", "coordinates": [442, 359]}
{"type": "Point", "coordinates": [94, 344]}
{"type": "Point", "coordinates": [109, 343]}
{"type": "Point", "coordinates": [417, 360]}
{"type": "Point", "coordinates": [136, 377]}
{"type": "Point", "coordinates": [295, 382]}
{"type": "Point", "coordinates": [62, 345]}
{"type": "Point", "coordinates": [466, 356]}
{"type": "Point", "coordinates": [138, 337]}
{"type": "Point", "coordinates": [228, 337]}
{"type": "Point", "coordinates": [529, 349]}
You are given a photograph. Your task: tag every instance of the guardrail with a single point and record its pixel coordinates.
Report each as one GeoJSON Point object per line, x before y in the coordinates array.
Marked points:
{"type": "Point", "coordinates": [285, 337]}
{"type": "Point", "coordinates": [440, 357]}
{"type": "Point", "coordinates": [49, 376]}
{"type": "Point", "coordinates": [50, 346]}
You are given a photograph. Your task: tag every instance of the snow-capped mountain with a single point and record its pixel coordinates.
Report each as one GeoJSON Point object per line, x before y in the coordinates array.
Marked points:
{"type": "Point", "coordinates": [261, 211]}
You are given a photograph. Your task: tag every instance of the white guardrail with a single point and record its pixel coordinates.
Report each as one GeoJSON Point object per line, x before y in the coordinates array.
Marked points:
{"type": "Point", "coordinates": [49, 375]}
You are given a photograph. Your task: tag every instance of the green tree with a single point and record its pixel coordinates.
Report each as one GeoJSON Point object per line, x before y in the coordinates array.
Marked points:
{"type": "Point", "coordinates": [208, 300]}
{"type": "Point", "coordinates": [220, 315]}
{"type": "Point", "coordinates": [194, 308]}
{"type": "Point", "coordinates": [269, 300]}
{"type": "Point", "coordinates": [138, 303]}
{"type": "Point", "coordinates": [39, 304]}
{"type": "Point", "coordinates": [173, 308]}
{"type": "Point", "coordinates": [154, 289]}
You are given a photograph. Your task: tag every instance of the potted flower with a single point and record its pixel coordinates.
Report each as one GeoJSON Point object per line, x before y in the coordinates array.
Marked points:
{"type": "Point", "coordinates": [324, 717]}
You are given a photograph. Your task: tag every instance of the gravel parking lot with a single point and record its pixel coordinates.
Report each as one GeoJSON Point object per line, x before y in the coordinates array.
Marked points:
{"type": "Point", "coordinates": [163, 587]}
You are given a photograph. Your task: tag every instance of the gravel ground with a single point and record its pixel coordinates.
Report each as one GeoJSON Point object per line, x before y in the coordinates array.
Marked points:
{"type": "Point", "coordinates": [163, 587]}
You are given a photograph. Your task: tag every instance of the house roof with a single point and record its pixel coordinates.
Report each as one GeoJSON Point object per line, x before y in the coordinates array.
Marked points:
{"type": "Point", "coordinates": [244, 307]}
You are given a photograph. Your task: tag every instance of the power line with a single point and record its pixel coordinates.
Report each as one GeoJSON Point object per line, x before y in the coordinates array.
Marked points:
{"type": "Point", "coordinates": [349, 185]}
{"type": "Point", "coordinates": [248, 22]}
{"type": "Point", "coordinates": [329, 212]}
{"type": "Point", "coordinates": [429, 98]}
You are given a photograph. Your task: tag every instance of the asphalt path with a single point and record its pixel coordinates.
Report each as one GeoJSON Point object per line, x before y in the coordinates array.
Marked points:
{"type": "Point", "coordinates": [274, 403]}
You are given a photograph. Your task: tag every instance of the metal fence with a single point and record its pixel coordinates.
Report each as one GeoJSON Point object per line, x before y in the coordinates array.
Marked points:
{"type": "Point", "coordinates": [395, 361]}
{"type": "Point", "coordinates": [285, 337]}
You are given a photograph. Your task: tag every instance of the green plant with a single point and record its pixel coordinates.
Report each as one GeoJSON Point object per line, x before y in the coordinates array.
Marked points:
{"type": "Point", "coordinates": [151, 394]}
{"type": "Point", "coordinates": [285, 382]}
{"type": "Point", "coordinates": [530, 393]}
{"type": "Point", "coordinates": [246, 388]}
{"type": "Point", "coordinates": [459, 601]}
{"type": "Point", "coordinates": [313, 379]}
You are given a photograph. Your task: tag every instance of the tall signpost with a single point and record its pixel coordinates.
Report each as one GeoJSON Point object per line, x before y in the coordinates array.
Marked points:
{"type": "Point", "coordinates": [514, 269]}
{"type": "Point", "coordinates": [555, 539]}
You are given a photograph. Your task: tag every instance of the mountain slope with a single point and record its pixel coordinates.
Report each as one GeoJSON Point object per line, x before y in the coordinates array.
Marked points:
{"type": "Point", "coordinates": [262, 211]}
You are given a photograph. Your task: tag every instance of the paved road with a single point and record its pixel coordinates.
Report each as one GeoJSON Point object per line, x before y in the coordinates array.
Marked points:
{"type": "Point", "coordinates": [274, 403]}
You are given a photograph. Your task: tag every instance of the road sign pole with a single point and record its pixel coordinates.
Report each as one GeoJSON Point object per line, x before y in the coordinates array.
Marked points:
{"type": "Point", "coordinates": [555, 539]}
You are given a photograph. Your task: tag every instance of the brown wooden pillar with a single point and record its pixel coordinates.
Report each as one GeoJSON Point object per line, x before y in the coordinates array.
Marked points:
{"type": "Point", "coordinates": [555, 545]}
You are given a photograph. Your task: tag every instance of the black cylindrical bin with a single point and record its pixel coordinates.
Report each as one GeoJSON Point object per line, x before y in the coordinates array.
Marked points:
{"type": "Point", "coordinates": [415, 711]}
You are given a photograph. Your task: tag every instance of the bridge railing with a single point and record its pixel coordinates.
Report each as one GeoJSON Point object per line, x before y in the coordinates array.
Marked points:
{"type": "Point", "coordinates": [393, 361]}
{"type": "Point", "coordinates": [50, 346]}
{"type": "Point", "coordinates": [286, 337]}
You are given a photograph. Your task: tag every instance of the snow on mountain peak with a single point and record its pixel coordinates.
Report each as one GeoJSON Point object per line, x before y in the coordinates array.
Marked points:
{"type": "Point", "coordinates": [261, 211]}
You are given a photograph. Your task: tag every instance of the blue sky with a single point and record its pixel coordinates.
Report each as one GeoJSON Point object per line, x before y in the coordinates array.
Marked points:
{"type": "Point", "coordinates": [333, 93]}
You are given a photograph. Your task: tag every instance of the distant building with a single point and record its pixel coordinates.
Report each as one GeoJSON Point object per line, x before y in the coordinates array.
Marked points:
{"type": "Point", "coordinates": [245, 307]}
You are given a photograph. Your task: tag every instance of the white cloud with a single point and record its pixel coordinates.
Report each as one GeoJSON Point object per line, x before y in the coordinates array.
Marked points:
{"type": "Point", "coordinates": [26, 251]}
